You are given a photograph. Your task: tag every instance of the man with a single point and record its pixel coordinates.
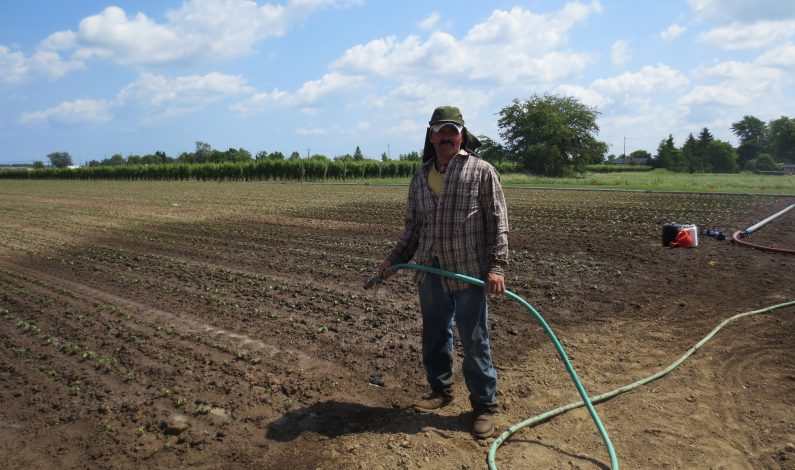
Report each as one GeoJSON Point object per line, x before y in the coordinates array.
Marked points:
{"type": "Point", "coordinates": [456, 220]}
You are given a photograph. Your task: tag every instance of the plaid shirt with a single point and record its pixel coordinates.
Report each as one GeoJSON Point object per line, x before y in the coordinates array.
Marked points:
{"type": "Point", "coordinates": [466, 227]}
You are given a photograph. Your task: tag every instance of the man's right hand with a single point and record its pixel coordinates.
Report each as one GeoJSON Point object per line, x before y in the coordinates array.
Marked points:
{"type": "Point", "coordinates": [385, 270]}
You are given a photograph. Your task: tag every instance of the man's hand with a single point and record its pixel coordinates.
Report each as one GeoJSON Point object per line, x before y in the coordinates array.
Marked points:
{"type": "Point", "coordinates": [495, 284]}
{"type": "Point", "coordinates": [385, 270]}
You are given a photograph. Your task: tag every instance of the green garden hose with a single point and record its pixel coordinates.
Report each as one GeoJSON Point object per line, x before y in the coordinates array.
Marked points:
{"type": "Point", "coordinates": [605, 396]}
{"type": "Point", "coordinates": [587, 402]}
{"type": "Point", "coordinates": [552, 337]}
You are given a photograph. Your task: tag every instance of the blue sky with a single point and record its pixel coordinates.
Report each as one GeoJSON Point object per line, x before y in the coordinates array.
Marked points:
{"type": "Point", "coordinates": [95, 78]}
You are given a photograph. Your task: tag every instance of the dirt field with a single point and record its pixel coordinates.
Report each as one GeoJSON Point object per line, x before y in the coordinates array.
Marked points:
{"type": "Point", "coordinates": [207, 325]}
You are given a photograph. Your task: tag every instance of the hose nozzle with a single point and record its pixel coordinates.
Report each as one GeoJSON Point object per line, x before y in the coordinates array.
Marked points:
{"type": "Point", "coordinates": [372, 282]}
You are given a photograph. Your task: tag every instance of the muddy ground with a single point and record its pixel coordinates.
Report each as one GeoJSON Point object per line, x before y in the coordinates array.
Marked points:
{"type": "Point", "coordinates": [207, 325]}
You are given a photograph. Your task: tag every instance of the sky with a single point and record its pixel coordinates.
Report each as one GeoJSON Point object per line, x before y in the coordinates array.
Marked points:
{"type": "Point", "coordinates": [95, 78]}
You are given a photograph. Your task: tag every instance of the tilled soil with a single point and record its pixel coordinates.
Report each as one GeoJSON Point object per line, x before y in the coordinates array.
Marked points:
{"type": "Point", "coordinates": [224, 325]}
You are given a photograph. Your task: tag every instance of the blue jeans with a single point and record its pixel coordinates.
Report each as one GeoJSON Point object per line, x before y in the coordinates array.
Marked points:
{"type": "Point", "coordinates": [469, 310]}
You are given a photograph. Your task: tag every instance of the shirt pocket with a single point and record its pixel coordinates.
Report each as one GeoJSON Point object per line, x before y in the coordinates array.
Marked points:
{"type": "Point", "coordinates": [468, 213]}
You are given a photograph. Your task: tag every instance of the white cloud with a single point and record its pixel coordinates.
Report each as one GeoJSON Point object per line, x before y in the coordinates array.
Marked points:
{"type": "Point", "coordinates": [59, 40]}
{"type": "Point", "coordinates": [722, 94]}
{"type": "Point", "coordinates": [111, 35]}
{"type": "Point", "coordinates": [780, 56]}
{"type": "Point", "coordinates": [51, 64]}
{"type": "Point", "coordinates": [528, 32]}
{"type": "Point", "coordinates": [310, 111]}
{"type": "Point", "coordinates": [648, 80]}
{"type": "Point", "coordinates": [430, 22]}
{"type": "Point", "coordinates": [730, 89]}
{"type": "Point", "coordinates": [372, 57]}
{"type": "Point", "coordinates": [587, 96]}
{"type": "Point", "coordinates": [334, 129]}
{"type": "Point", "coordinates": [741, 84]}
{"type": "Point", "coordinates": [180, 95]}
{"type": "Point", "coordinates": [742, 11]}
{"type": "Point", "coordinates": [16, 68]}
{"type": "Point", "coordinates": [309, 93]}
{"type": "Point", "coordinates": [409, 59]}
{"type": "Point", "coordinates": [72, 112]}
{"type": "Point", "coordinates": [261, 101]}
{"type": "Point", "coordinates": [760, 34]}
{"type": "Point", "coordinates": [515, 48]}
{"type": "Point", "coordinates": [156, 94]}
{"type": "Point", "coordinates": [508, 47]}
{"type": "Point", "coordinates": [313, 90]}
{"type": "Point", "coordinates": [672, 32]}
{"type": "Point", "coordinates": [620, 53]}
{"type": "Point", "coordinates": [199, 32]}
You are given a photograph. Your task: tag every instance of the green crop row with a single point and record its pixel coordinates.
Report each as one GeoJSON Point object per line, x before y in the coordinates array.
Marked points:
{"type": "Point", "coordinates": [260, 170]}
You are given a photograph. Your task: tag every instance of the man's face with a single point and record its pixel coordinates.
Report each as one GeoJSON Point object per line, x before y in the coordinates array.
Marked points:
{"type": "Point", "coordinates": [447, 141]}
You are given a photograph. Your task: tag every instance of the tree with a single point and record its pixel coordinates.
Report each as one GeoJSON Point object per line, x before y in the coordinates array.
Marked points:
{"type": "Point", "coordinates": [263, 155]}
{"type": "Point", "coordinates": [236, 155]}
{"type": "Point", "coordinates": [550, 134]}
{"type": "Point", "coordinates": [295, 155]}
{"type": "Point", "coordinates": [691, 156]}
{"type": "Point", "coordinates": [384, 157]}
{"type": "Point", "coordinates": [639, 156]}
{"type": "Point", "coordinates": [490, 150]}
{"type": "Point", "coordinates": [721, 157]}
{"type": "Point", "coordinates": [764, 162]}
{"type": "Point", "coordinates": [703, 140]}
{"type": "Point", "coordinates": [413, 156]}
{"type": "Point", "coordinates": [116, 159]}
{"type": "Point", "coordinates": [782, 139]}
{"type": "Point", "coordinates": [60, 159]}
{"type": "Point", "coordinates": [358, 155]}
{"type": "Point", "coordinates": [158, 157]}
{"type": "Point", "coordinates": [203, 152]}
{"type": "Point", "coordinates": [38, 164]}
{"type": "Point", "coordinates": [705, 137]}
{"type": "Point", "coordinates": [752, 133]}
{"type": "Point", "coordinates": [666, 153]}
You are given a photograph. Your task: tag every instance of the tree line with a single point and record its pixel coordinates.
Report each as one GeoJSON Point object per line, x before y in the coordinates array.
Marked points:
{"type": "Point", "coordinates": [549, 135]}
{"type": "Point", "coordinates": [763, 147]}
{"type": "Point", "coordinates": [555, 135]}
{"type": "Point", "coordinates": [204, 153]}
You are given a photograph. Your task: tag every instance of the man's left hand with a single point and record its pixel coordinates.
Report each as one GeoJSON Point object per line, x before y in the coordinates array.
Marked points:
{"type": "Point", "coordinates": [495, 284]}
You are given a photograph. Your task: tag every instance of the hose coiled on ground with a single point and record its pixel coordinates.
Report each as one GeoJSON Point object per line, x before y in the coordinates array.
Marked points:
{"type": "Point", "coordinates": [586, 401]}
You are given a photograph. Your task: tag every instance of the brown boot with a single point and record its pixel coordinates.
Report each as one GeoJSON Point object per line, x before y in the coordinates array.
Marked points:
{"type": "Point", "coordinates": [433, 402]}
{"type": "Point", "coordinates": [482, 424]}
